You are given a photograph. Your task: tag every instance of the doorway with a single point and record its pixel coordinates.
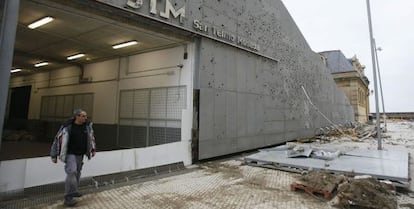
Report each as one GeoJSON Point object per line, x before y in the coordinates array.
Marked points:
{"type": "Point", "coordinates": [18, 107]}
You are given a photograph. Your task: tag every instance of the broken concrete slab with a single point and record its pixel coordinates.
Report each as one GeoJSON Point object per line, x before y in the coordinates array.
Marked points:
{"type": "Point", "coordinates": [381, 164]}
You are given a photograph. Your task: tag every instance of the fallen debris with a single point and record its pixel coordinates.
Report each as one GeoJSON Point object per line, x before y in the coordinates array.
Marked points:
{"type": "Point", "coordinates": [381, 164]}
{"type": "Point", "coordinates": [407, 205]}
{"type": "Point", "coordinates": [294, 150]}
{"type": "Point", "coordinates": [317, 182]}
{"type": "Point", "coordinates": [325, 154]}
{"type": "Point", "coordinates": [298, 150]}
{"type": "Point", "coordinates": [355, 132]}
{"type": "Point", "coordinates": [367, 193]}
{"type": "Point", "coordinates": [352, 192]}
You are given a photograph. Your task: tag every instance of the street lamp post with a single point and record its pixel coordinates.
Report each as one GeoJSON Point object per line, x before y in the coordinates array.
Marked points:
{"type": "Point", "coordinates": [380, 84]}
{"type": "Point", "coordinates": [374, 75]}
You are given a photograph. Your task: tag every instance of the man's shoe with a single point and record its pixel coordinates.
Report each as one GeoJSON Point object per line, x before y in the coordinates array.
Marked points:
{"type": "Point", "coordinates": [76, 194]}
{"type": "Point", "coordinates": [70, 202]}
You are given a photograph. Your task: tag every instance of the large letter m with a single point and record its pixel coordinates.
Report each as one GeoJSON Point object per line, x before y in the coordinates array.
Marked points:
{"type": "Point", "coordinates": [170, 9]}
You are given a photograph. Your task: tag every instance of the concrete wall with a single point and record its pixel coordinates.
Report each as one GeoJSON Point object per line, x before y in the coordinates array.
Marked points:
{"type": "Point", "coordinates": [247, 101]}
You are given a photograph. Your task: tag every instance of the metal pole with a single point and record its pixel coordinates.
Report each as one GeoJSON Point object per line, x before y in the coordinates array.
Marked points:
{"type": "Point", "coordinates": [10, 16]}
{"type": "Point", "coordinates": [371, 40]}
{"type": "Point", "coordinates": [380, 84]}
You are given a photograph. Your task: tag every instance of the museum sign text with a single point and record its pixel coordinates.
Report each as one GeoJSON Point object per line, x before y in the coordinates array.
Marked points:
{"type": "Point", "coordinates": [199, 26]}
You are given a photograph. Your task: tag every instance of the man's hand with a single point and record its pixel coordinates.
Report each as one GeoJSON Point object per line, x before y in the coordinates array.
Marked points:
{"type": "Point", "coordinates": [54, 159]}
{"type": "Point", "coordinates": [93, 153]}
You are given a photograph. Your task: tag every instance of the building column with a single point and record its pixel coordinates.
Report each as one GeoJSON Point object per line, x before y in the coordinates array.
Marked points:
{"type": "Point", "coordinates": [10, 17]}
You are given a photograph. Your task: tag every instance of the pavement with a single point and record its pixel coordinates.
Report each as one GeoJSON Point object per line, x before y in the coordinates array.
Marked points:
{"type": "Point", "coordinates": [210, 185]}
{"type": "Point", "coordinates": [218, 184]}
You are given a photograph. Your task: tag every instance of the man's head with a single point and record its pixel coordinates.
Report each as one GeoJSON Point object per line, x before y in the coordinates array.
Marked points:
{"type": "Point", "coordinates": [80, 116]}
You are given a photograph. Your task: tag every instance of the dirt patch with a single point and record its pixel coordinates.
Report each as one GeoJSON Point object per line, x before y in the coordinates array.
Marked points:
{"type": "Point", "coordinates": [175, 201]}
{"type": "Point", "coordinates": [367, 193]}
{"type": "Point", "coordinates": [228, 171]}
{"type": "Point", "coordinates": [321, 181]}
{"type": "Point", "coordinates": [256, 181]}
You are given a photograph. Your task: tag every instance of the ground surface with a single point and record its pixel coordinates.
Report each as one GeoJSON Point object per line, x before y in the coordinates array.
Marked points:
{"type": "Point", "coordinates": [231, 184]}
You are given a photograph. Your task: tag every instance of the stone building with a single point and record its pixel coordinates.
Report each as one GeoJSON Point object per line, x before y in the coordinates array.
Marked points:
{"type": "Point", "coordinates": [349, 76]}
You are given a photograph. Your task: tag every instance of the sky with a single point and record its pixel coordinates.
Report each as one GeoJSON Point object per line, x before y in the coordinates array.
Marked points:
{"type": "Point", "coordinates": [343, 25]}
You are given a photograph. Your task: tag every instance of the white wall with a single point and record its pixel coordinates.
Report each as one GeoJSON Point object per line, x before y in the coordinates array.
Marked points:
{"type": "Point", "coordinates": [23, 173]}
{"type": "Point", "coordinates": [149, 70]}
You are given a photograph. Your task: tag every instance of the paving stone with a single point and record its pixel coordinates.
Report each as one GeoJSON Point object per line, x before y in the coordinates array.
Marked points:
{"type": "Point", "coordinates": [214, 185]}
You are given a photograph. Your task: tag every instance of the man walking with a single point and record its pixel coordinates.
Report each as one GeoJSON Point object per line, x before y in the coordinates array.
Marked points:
{"type": "Point", "coordinates": [74, 139]}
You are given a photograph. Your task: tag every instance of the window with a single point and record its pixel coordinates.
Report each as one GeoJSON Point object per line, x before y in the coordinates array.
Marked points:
{"type": "Point", "coordinates": [361, 97]}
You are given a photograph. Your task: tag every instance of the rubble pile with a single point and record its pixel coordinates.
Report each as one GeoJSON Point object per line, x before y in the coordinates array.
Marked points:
{"type": "Point", "coordinates": [366, 193]}
{"type": "Point", "coordinates": [341, 152]}
{"type": "Point", "coordinates": [320, 182]}
{"type": "Point", "coordinates": [351, 192]}
{"type": "Point", "coordinates": [358, 133]}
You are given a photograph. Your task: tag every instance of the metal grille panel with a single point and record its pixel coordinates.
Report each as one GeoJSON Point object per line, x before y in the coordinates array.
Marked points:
{"type": "Point", "coordinates": [174, 135]}
{"type": "Point", "coordinates": [59, 107]}
{"type": "Point", "coordinates": [126, 104]}
{"type": "Point", "coordinates": [141, 103]}
{"type": "Point", "coordinates": [149, 117]}
{"type": "Point", "coordinates": [125, 136]}
{"type": "Point", "coordinates": [60, 101]}
{"type": "Point", "coordinates": [140, 136]}
{"type": "Point", "coordinates": [158, 103]}
{"type": "Point", "coordinates": [68, 106]}
{"type": "Point", "coordinates": [176, 101]}
{"type": "Point", "coordinates": [157, 136]}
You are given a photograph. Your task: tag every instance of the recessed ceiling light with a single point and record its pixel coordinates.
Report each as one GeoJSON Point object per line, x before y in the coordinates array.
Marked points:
{"type": "Point", "coordinates": [15, 70]}
{"type": "Point", "coordinates": [40, 22]}
{"type": "Point", "coordinates": [125, 44]}
{"type": "Point", "coordinates": [40, 64]}
{"type": "Point", "coordinates": [76, 56]}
